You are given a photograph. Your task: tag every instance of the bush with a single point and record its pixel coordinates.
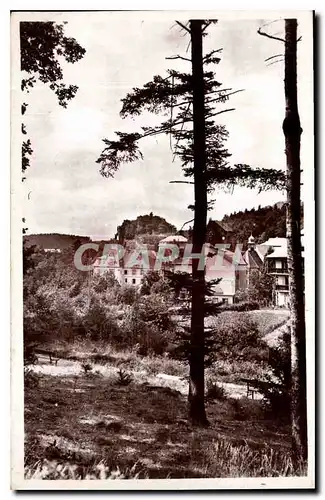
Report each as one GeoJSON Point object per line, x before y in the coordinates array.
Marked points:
{"type": "Point", "coordinates": [97, 323]}
{"type": "Point", "coordinates": [31, 379]}
{"type": "Point", "coordinates": [247, 305]}
{"type": "Point", "coordinates": [61, 304]}
{"type": "Point", "coordinates": [123, 377]}
{"type": "Point", "coordinates": [276, 388]}
{"type": "Point", "coordinates": [127, 294]}
{"type": "Point", "coordinates": [247, 409]}
{"type": "Point", "coordinates": [236, 336]}
{"type": "Point", "coordinates": [215, 391]}
{"type": "Point", "coordinates": [241, 296]}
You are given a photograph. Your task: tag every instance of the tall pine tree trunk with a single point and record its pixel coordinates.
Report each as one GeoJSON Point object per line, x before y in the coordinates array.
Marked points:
{"type": "Point", "coordinates": [196, 384]}
{"type": "Point", "coordinates": [292, 132]}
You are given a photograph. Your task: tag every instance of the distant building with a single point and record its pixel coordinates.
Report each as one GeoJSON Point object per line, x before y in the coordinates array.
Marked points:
{"type": "Point", "coordinates": [219, 232]}
{"type": "Point", "coordinates": [220, 264]}
{"type": "Point", "coordinates": [127, 270]}
{"type": "Point", "coordinates": [277, 266]}
{"type": "Point", "coordinates": [253, 259]}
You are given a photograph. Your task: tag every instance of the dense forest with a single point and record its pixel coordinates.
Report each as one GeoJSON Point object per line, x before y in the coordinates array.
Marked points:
{"type": "Point", "coordinates": [263, 223]}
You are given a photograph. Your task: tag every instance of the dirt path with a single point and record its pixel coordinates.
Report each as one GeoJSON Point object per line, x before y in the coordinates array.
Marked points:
{"type": "Point", "coordinates": [74, 368]}
{"type": "Point", "coordinates": [273, 337]}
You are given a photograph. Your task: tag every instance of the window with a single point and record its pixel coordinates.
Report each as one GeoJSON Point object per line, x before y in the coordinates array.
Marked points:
{"type": "Point", "coordinates": [278, 264]}
{"type": "Point", "coordinates": [125, 271]}
{"type": "Point", "coordinates": [126, 280]}
{"type": "Point", "coordinates": [133, 281]}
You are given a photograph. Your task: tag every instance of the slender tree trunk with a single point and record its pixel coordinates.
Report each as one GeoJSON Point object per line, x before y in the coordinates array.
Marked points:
{"type": "Point", "coordinates": [196, 385]}
{"type": "Point", "coordinates": [292, 132]}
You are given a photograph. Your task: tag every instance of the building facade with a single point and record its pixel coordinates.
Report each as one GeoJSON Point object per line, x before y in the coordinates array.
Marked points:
{"type": "Point", "coordinates": [277, 266]}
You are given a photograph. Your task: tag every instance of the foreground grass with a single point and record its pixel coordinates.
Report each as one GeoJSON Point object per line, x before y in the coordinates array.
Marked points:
{"type": "Point", "coordinates": [94, 428]}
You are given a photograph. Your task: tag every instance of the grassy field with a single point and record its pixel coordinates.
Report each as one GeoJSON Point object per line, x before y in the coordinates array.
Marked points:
{"type": "Point", "coordinates": [90, 426]}
{"type": "Point", "coordinates": [268, 320]}
{"type": "Point", "coordinates": [84, 420]}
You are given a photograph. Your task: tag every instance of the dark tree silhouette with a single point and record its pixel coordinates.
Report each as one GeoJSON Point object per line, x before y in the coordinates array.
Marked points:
{"type": "Point", "coordinates": [292, 133]}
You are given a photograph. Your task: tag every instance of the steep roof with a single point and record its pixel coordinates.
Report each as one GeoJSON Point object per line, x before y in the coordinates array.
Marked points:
{"type": "Point", "coordinates": [262, 250]}
{"type": "Point", "coordinates": [174, 238]}
{"type": "Point", "coordinates": [276, 242]}
{"type": "Point", "coordinates": [279, 252]}
{"type": "Point", "coordinates": [224, 225]}
{"type": "Point", "coordinates": [252, 259]}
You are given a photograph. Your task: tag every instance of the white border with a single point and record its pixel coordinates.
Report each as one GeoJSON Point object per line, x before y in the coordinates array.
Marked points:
{"type": "Point", "coordinates": [18, 482]}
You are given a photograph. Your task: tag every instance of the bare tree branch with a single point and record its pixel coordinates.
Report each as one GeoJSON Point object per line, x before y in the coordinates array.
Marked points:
{"type": "Point", "coordinates": [187, 222]}
{"type": "Point", "coordinates": [181, 182]}
{"type": "Point", "coordinates": [275, 62]}
{"type": "Point", "coordinates": [219, 112]}
{"type": "Point", "coordinates": [272, 37]}
{"type": "Point", "coordinates": [183, 26]}
{"type": "Point", "coordinates": [273, 57]}
{"type": "Point", "coordinates": [178, 57]}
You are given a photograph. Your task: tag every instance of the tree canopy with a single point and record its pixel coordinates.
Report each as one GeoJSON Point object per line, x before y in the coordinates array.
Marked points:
{"type": "Point", "coordinates": [42, 45]}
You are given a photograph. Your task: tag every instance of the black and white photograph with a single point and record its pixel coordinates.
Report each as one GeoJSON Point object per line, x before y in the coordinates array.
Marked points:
{"type": "Point", "coordinates": [162, 250]}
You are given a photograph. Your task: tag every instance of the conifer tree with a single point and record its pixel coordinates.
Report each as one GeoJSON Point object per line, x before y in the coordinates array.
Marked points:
{"type": "Point", "coordinates": [292, 133]}
{"type": "Point", "coordinates": [192, 101]}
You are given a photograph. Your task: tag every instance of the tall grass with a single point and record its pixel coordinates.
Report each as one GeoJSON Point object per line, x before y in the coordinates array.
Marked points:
{"type": "Point", "coordinates": [220, 459]}
{"type": "Point", "coordinates": [224, 459]}
{"type": "Point", "coordinates": [51, 469]}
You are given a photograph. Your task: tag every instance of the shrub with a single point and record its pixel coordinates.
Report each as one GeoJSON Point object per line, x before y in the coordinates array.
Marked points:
{"type": "Point", "coordinates": [30, 357]}
{"type": "Point", "coordinates": [236, 335]}
{"type": "Point", "coordinates": [97, 323]}
{"type": "Point", "coordinates": [150, 278]}
{"type": "Point", "coordinates": [247, 409]}
{"type": "Point", "coordinates": [215, 391]}
{"type": "Point", "coordinates": [127, 294]}
{"type": "Point", "coordinates": [31, 379]}
{"type": "Point", "coordinates": [147, 325]}
{"type": "Point", "coordinates": [276, 388]}
{"type": "Point", "coordinates": [123, 377]}
{"type": "Point", "coordinates": [87, 367]}
{"type": "Point", "coordinates": [247, 305]}
{"type": "Point", "coordinates": [241, 296]}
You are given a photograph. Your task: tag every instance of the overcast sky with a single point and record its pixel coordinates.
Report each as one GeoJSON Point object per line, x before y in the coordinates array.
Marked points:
{"type": "Point", "coordinates": [67, 193]}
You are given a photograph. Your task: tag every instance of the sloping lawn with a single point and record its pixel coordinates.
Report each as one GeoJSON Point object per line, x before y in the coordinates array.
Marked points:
{"type": "Point", "coordinates": [91, 427]}
{"type": "Point", "coordinates": [268, 320]}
